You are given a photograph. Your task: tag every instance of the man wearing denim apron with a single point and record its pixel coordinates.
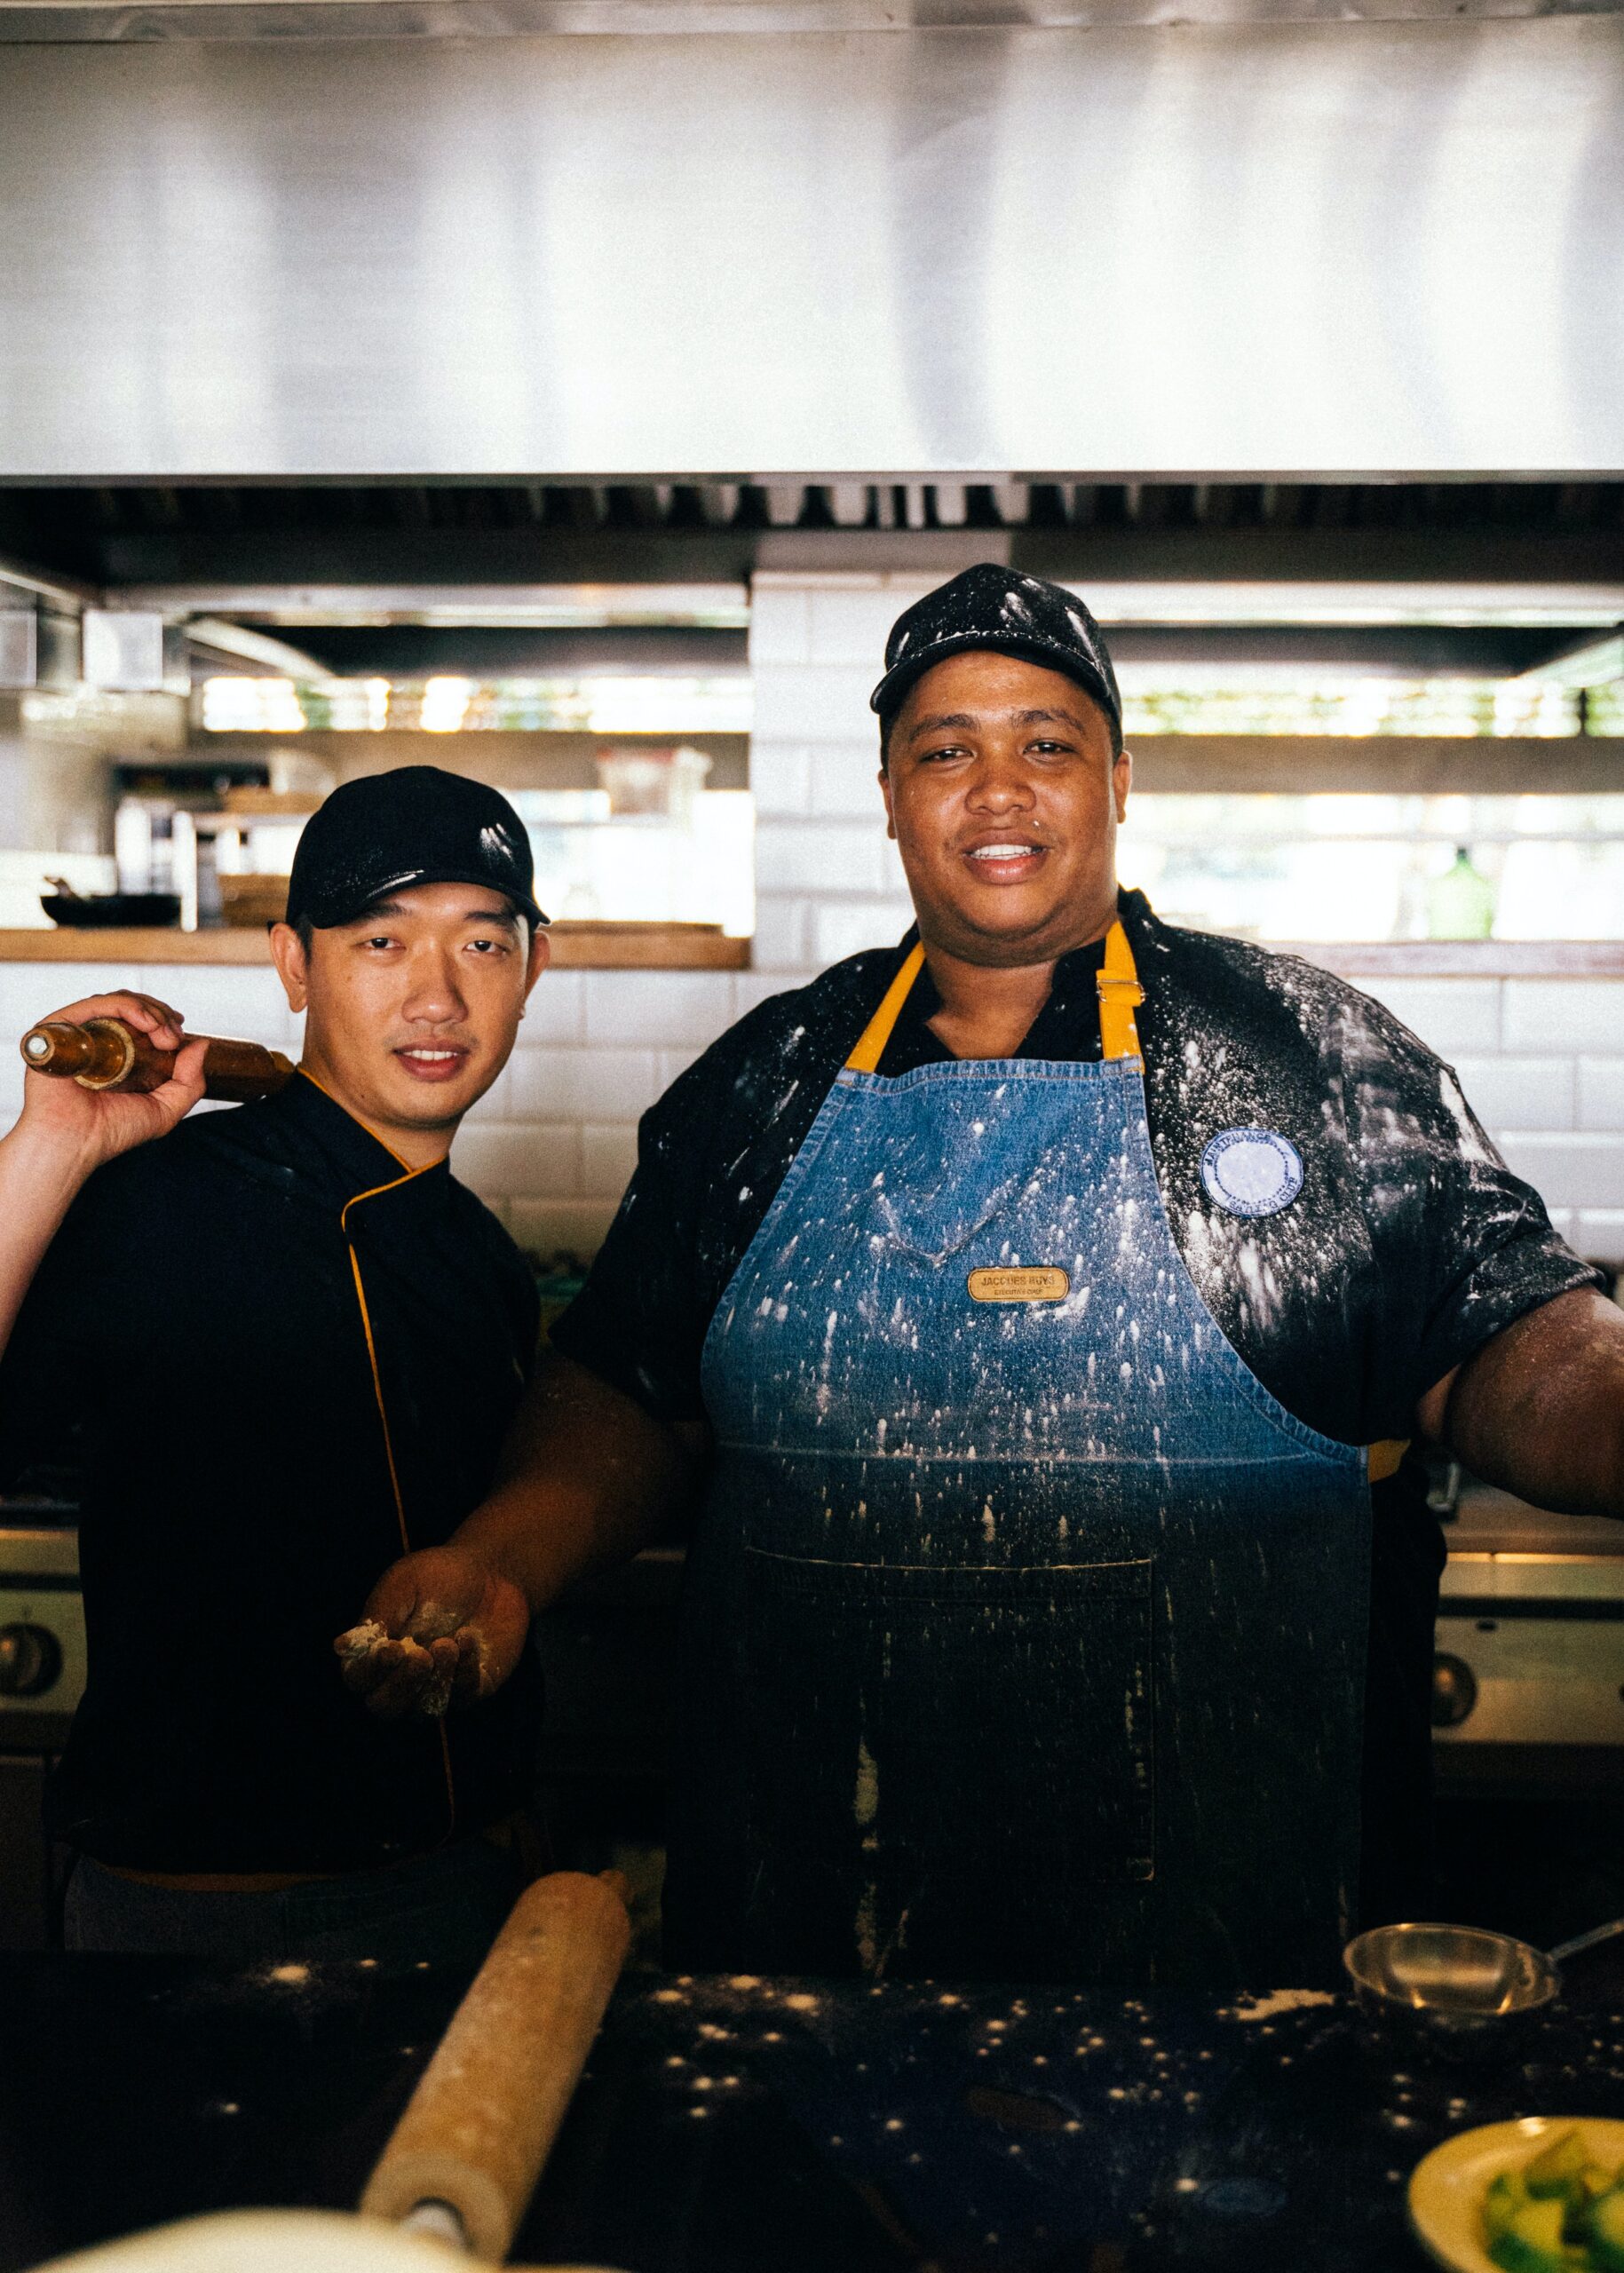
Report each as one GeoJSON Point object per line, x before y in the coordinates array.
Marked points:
{"type": "Point", "coordinates": [1035, 1315]}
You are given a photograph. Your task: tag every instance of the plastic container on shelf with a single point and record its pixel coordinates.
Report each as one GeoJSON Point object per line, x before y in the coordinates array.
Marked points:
{"type": "Point", "coordinates": [651, 781]}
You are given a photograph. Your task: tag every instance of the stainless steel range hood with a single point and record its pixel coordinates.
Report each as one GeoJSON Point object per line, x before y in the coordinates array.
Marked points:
{"type": "Point", "coordinates": [1355, 248]}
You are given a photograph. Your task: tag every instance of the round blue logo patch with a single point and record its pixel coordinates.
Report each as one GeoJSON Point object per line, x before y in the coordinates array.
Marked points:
{"type": "Point", "coordinates": [1252, 1171]}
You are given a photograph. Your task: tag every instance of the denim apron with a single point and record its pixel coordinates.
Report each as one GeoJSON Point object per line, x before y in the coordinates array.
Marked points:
{"type": "Point", "coordinates": [1024, 1630]}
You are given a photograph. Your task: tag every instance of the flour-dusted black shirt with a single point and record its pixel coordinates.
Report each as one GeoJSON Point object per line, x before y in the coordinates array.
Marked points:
{"type": "Point", "coordinates": [197, 1316]}
{"type": "Point", "coordinates": [1409, 1245]}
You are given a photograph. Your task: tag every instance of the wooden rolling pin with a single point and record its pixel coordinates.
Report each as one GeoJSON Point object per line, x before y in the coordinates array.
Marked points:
{"type": "Point", "coordinates": [107, 1054]}
{"type": "Point", "coordinates": [465, 2156]}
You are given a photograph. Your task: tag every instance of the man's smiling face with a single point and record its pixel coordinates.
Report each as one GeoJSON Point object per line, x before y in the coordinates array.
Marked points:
{"type": "Point", "coordinates": [1003, 797]}
{"type": "Point", "coordinates": [414, 1007]}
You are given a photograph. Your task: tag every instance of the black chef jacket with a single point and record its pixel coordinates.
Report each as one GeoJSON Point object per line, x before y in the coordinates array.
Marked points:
{"type": "Point", "coordinates": [199, 1316]}
{"type": "Point", "coordinates": [1409, 1245]}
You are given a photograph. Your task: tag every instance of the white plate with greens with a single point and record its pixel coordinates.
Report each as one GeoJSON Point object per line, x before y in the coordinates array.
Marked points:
{"type": "Point", "coordinates": [1544, 2194]}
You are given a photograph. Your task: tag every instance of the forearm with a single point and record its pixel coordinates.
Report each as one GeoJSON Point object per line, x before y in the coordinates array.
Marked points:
{"type": "Point", "coordinates": [587, 1478]}
{"type": "Point", "coordinates": [39, 1182]}
{"type": "Point", "coordinates": [1540, 1411]}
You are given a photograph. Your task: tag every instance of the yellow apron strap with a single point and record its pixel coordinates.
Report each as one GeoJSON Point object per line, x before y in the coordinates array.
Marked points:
{"type": "Point", "coordinates": [1119, 995]}
{"type": "Point", "coordinates": [1381, 1461]}
{"type": "Point", "coordinates": [871, 1047]}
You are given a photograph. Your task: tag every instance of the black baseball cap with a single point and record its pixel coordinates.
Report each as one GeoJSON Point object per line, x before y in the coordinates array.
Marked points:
{"type": "Point", "coordinates": [990, 607]}
{"type": "Point", "coordinates": [418, 825]}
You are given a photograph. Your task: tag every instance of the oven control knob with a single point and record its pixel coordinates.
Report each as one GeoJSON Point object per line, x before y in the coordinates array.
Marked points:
{"type": "Point", "coordinates": [1454, 1691]}
{"type": "Point", "coordinates": [30, 1660]}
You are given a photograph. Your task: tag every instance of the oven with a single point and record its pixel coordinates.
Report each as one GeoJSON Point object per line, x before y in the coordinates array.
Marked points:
{"type": "Point", "coordinates": [42, 1677]}
{"type": "Point", "coordinates": [1528, 1679]}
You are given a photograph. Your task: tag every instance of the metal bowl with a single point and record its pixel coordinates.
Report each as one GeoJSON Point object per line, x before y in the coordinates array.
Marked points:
{"type": "Point", "coordinates": [1453, 1990]}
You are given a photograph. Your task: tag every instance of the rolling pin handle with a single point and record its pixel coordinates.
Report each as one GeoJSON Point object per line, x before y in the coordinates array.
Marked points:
{"type": "Point", "coordinates": [440, 2221]}
{"type": "Point", "coordinates": [476, 2132]}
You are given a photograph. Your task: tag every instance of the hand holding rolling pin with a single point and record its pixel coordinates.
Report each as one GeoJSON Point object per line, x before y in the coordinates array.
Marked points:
{"type": "Point", "coordinates": [93, 1125]}
{"type": "Point", "coordinates": [66, 1131]}
{"type": "Point", "coordinates": [441, 1627]}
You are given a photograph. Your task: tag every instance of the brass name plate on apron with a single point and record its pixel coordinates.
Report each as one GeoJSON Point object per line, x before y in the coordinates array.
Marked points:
{"type": "Point", "coordinates": [1046, 1284]}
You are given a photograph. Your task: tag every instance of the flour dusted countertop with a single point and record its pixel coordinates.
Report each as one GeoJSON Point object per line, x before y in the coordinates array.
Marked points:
{"type": "Point", "coordinates": [728, 2123]}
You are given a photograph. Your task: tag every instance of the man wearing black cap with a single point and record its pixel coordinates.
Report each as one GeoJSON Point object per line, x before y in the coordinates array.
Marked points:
{"type": "Point", "coordinates": [292, 1342]}
{"type": "Point", "coordinates": [1042, 1307]}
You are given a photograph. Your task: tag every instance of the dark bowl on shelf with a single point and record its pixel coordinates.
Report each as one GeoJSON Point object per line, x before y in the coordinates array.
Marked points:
{"type": "Point", "coordinates": [108, 910]}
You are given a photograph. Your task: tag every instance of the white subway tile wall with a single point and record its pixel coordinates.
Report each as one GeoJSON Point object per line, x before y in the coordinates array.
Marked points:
{"type": "Point", "coordinates": [822, 856]}
{"type": "Point", "coordinates": [829, 881]}
{"type": "Point", "coordinates": [1584, 1171]}
{"type": "Point", "coordinates": [609, 1153]}
{"type": "Point", "coordinates": [1459, 1017]}
{"type": "Point", "coordinates": [847, 781]}
{"type": "Point", "coordinates": [781, 779]}
{"type": "Point", "coordinates": [556, 1010]}
{"type": "Point", "coordinates": [1547, 1014]}
{"type": "Point", "coordinates": [508, 1161]}
{"type": "Point", "coordinates": [842, 928]}
{"type": "Point", "coordinates": [1541, 1060]}
{"type": "Point", "coordinates": [664, 1007]}
{"type": "Point", "coordinates": [782, 932]}
{"type": "Point", "coordinates": [591, 1083]}
{"type": "Point", "coordinates": [1601, 1092]}
{"type": "Point", "coordinates": [1517, 1093]}
{"type": "Point", "coordinates": [814, 702]}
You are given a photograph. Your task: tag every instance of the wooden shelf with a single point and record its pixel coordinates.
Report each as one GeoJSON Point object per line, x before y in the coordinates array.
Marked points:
{"type": "Point", "coordinates": [1460, 958]}
{"type": "Point", "coordinates": [576, 946]}
{"type": "Point", "coordinates": [701, 947]}
{"type": "Point", "coordinates": [647, 946]}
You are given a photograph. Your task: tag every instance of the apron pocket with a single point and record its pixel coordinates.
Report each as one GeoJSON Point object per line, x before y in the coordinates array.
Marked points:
{"type": "Point", "coordinates": [938, 1754]}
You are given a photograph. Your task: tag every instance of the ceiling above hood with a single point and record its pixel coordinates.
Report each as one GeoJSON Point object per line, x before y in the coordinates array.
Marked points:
{"type": "Point", "coordinates": [686, 18]}
{"type": "Point", "coordinates": [1207, 250]}
{"type": "Point", "coordinates": [283, 19]}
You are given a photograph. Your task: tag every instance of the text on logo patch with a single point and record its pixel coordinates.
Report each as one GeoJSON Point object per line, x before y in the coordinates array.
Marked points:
{"type": "Point", "coordinates": [1252, 1171]}
{"type": "Point", "coordinates": [1046, 1283]}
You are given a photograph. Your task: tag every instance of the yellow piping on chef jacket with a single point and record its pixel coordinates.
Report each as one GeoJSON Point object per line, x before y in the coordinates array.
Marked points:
{"type": "Point", "coordinates": [378, 1389]}
{"type": "Point", "coordinates": [1119, 995]}
{"type": "Point", "coordinates": [389, 1449]}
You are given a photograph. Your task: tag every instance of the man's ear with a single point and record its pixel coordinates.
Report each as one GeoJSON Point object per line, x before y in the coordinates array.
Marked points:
{"type": "Point", "coordinates": [293, 965]}
{"type": "Point", "coordinates": [541, 955]}
{"type": "Point", "coordinates": [891, 817]}
{"type": "Point", "coordinates": [1122, 782]}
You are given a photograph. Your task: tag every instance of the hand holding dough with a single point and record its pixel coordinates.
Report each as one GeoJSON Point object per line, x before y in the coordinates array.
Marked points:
{"type": "Point", "coordinates": [443, 1625]}
{"type": "Point", "coordinates": [368, 1653]}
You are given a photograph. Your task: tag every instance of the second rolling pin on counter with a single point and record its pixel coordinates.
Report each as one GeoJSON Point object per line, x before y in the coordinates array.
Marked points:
{"type": "Point", "coordinates": [107, 1054]}
{"type": "Point", "coordinates": [464, 2158]}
